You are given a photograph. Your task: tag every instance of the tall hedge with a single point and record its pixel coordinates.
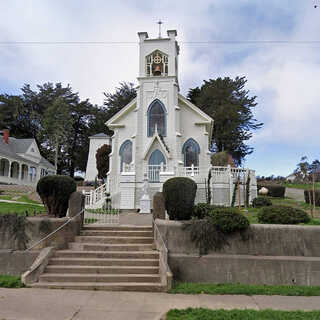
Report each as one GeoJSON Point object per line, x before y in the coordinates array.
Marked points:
{"type": "Point", "coordinates": [274, 190]}
{"type": "Point", "coordinates": [55, 191]}
{"type": "Point", "coordinates": [179, 194]}
{"type": "Point", "coordinates": [317, 197]}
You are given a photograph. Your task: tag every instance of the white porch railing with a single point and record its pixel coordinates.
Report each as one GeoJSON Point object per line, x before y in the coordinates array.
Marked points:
{"type": "Point", "coordinates": [154, 172]}
{"type": "Point", "coordinates": [188, 171]}
{"type": "Point", "coordinates": [95, 196]}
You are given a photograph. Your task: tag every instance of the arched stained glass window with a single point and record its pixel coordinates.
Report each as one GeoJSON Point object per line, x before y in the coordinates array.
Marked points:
{"type": "Point", "coordinates": [125, 153]}
{"type": "Point", "coordinates": [157, 119]}
{"type": "Point", "coordinates": [191, 151]}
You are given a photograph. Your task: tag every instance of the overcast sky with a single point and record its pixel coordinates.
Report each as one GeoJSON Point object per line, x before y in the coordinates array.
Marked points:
{"type": "Point", "coordinates": [284, 76]}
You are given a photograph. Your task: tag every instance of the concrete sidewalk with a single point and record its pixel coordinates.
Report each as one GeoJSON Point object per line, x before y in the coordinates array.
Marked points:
{"type": "Point", "coordinates": [40, 304]}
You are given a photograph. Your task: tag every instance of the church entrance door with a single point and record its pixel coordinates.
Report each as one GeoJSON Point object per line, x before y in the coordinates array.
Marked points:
{"type": "Point", "coordinates": [156, 161]}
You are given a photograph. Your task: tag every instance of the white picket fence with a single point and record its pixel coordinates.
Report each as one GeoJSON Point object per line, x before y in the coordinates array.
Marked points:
{"type": "Point", "coordinates": [102, 216]}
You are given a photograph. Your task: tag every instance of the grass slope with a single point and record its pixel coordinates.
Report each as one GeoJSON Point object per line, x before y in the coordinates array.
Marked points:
{"type": "Point", "coordinates": [251, 213]}
{"type": "Point", "coordinates": [6, 207]}
{"type": "Point", "coordinates": [300, 185]}
{"type": "Point", "coordinates": [228, 288]}
{"type": "Point", "coordinates": [206, 314]}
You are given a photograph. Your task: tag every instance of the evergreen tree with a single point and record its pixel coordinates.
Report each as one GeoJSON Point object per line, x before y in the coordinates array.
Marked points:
{"type": "Point", "coordinates": [102, 160]}
{"type": "Point", "coordinates": [229, 104]}
{"type": "Point", "coordinates": [114, 102]}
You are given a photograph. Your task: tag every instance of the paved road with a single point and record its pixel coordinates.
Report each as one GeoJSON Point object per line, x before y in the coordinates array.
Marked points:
{"type": "Point", "coordinates": [49, 304]}
{"type": "Point", "coordinates": [297, 194]}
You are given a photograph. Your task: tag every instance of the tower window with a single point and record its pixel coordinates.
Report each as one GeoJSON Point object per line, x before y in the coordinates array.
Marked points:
{"type": "Point", "coordinates": [156, 64]}
{"type": "Point", "coordinates": [157, 119]}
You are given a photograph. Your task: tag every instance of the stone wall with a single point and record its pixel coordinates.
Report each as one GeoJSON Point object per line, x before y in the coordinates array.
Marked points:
{"type": "Point", "coordinates": [16, 262]}
{"type": "Point", "coordinates": [37, 228]}
{"type": "Point", "coordinates": [265, 254]}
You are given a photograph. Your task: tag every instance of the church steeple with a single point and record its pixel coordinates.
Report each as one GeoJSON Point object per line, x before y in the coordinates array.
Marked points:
{"type": "Point", "coordinates": [159, 56]}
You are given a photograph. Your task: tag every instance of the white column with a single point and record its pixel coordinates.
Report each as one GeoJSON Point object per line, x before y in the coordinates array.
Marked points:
{"type": "Point", "coordinates": [20, 172]}
{"type": "Point", "coordinates": [9, 171]}
{"type": "Point", "coordinates": [127, 190]}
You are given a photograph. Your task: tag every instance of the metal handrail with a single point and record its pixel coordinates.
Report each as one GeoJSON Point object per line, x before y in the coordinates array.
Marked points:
{"type": "Point", "coordinates": [156, 234]}
{"type": "Point", "coordinates": [53, 232]}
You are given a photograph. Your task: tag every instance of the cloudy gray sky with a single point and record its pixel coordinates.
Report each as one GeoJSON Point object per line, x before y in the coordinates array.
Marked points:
{"type": "Point", "coordinates": [284, 75]}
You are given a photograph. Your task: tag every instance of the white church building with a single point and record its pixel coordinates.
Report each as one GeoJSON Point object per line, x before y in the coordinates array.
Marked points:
{"type": "Point", "coordinates": [160, 134]}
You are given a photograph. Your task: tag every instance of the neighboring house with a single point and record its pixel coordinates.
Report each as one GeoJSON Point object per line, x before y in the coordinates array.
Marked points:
{"type": "Point", "coordinates": [159, 134]}
{"type": "Point", "coordinates": [291, 177]}
{"type": "Point", "coordinates": [21, 162]}
{"type": "Point", "coordinates": [96, 141]}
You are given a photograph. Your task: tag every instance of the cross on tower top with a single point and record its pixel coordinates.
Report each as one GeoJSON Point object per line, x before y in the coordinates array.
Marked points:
{"type": "Point", "coordinates": [159, 23]}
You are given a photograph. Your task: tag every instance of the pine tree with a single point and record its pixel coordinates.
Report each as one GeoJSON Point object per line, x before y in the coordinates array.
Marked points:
{"type": "Point", "coordinates": [229, 104]}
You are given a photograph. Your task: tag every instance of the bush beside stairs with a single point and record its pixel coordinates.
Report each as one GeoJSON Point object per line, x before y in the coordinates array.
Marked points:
{"type": "Point", "coordinates": [106, 258]}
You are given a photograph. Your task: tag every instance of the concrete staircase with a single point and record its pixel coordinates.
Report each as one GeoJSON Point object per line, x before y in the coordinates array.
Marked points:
{"type": "Point", "coordinates": [106, 258]}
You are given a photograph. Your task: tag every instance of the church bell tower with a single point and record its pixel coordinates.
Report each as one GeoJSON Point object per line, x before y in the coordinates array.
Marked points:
{"type": "Point", "coordinates": [157, 103]}
{"type": "Point", "coordinates": [159, 56]}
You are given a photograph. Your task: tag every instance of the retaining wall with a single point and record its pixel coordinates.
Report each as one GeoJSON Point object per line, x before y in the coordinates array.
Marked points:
{"type": "Point", "coordinates": [16, 262]}
{"type": "Point", "coordinates": [265, 254]}
{"type": "Point", "coordinates": [36, 229]}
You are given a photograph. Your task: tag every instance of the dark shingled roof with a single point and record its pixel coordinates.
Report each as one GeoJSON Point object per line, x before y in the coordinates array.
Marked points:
{"type": "Point", "coordinates": [100, 135]}
{"type": "Point", "coordinates": [16, 146]}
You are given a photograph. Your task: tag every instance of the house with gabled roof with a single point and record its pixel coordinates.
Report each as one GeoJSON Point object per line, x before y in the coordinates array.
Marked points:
{"type": "Point", "coordinates": [21, 162]}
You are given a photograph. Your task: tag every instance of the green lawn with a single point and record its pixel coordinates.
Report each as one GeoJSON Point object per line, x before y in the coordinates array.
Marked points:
{"type": "Point", "coordinates": [22, 198]}
{"type": "Point", "coordinates": [300, 185]}
{"type": "Point", "coordinates": [6, 207]}
{"type": "Point", "coordinates": [251, 213]}
{"type": "Point", "coordinates": [10, 282]}
{"type": "Point", "coordinates": [207, 314]}
{"type": "Point", "coordinates": [5, 197]}
{"type": "Point", "coordinates": [244, 289]}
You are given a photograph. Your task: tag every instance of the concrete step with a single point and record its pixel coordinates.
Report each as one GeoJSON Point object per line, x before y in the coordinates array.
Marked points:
{"type": "Point", "coordinates": [116, 233]}
{"type": "Point", "coordinates": [103, 262]}
{"type": "Point", "coordinates": [114, 240]}
{"type": "Point", "coordinates": [77, 277]}
{"type": "Point", "coordinates": [111, 286]}
{"type": "Point", "coordinates": [107, 254]}
{"type": "Point", "coordinates": [109, 247]}
{"type": "Point", "coordinates": [117, 228]}
{"type": "Point", "coordinates": [102, 269]}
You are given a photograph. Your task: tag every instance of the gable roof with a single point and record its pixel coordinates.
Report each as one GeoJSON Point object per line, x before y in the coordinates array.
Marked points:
{"type": "Point", "coordinates": [21, 145]}
{"type": "Point", "coordinates": [16, 146]}
{"type": "Point", "coordinates": [195, 109]}
{"type": "Point", "coordinates": [155, 138]}
{"type": "Point", "coordinates": [207, 120]}
{"type": "Point", "coordinates": [111, 122]}
{"type": "Point", "coordinates": [99, 135]}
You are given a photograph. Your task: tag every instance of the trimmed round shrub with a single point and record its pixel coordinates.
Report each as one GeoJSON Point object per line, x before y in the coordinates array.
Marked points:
{"type": "Point", "coordinates": [261, 202]}
{"type": "Point", "coordinates": [54, 191]}
{"type": "Point", "coordinates": [228, 220]}
{"type": "Point", "coordinates": [282, 215]}
{"type": "Point", "coordinates": [317, 197]}
{"type": "Point", "coordinates": [179, 194]}
{"type": "Point", "coordinates": [274, 190]}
